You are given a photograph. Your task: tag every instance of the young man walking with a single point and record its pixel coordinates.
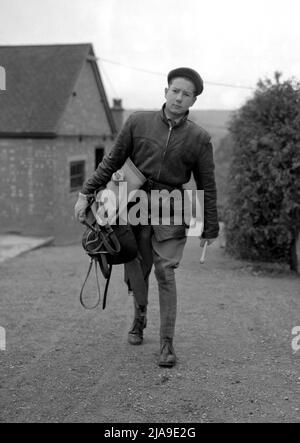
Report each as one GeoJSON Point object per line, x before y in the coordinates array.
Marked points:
{"type": "Point", "coordinates": [167, 148]}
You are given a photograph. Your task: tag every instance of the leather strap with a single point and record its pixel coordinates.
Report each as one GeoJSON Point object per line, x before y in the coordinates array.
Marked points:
{"type": "Point", "coordinates": [106, 288]}
{"type": "Point", "coordinates": [109, 272]}
{"type": "Point", "coordinates": [83, 286]}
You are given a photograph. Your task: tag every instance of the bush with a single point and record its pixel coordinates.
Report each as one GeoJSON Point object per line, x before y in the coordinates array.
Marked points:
{"type": "Point", "coordinates": [222, 156]}
{"type": "Point", "coordinates": [263, 208]}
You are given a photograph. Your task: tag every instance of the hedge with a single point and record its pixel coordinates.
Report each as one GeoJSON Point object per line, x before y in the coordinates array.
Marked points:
{"type": "Point", "coordinates": [263, 207]}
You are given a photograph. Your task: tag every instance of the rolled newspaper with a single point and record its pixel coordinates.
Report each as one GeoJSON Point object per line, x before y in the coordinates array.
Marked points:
{"type": "Point", "coordinates": [112, 201]}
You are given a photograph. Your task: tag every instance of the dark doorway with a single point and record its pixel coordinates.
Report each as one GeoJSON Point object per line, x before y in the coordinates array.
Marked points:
{"type": "Point", "coordinates": [99, 154]}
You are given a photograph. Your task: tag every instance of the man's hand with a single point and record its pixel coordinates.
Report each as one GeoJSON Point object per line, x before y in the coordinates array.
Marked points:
{"type": "Point", "coordinates": [209, 241]}
{"type": "Point", "coordinates": [81, 207]}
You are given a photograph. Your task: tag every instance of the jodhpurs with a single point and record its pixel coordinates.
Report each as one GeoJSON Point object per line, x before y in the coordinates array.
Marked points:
{"type": "Point", "coordinates": [166, 256]}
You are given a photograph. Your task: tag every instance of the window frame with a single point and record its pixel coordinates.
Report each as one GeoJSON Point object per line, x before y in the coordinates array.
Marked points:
{"type": "Point", "coordinates": [79, 176]}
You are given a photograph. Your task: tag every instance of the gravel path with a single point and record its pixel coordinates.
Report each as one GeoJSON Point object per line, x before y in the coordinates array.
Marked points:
{"type": "Point", "coordinates": [65, 364]}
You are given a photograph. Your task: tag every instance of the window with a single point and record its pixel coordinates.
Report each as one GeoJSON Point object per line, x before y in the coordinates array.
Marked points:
{"type": "Point", "coordinates": [77, 175]}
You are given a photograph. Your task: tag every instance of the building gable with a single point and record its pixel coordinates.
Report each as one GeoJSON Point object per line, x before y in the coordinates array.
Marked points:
{"type": "Point", "coordinates": [85, 113]}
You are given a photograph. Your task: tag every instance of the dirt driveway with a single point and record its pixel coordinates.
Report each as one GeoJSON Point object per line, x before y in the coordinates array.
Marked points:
{"type": "Point", "coordinates": [65, 364]}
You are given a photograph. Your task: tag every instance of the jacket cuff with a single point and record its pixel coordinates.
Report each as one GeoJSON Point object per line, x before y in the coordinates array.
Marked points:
{"type": "Point", "coordinates": [211, 233]}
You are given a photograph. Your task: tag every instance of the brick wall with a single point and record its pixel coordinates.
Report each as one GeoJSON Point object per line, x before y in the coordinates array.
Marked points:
{"type": "Point", "coordinates": [35, 196]}
{"type": "Point", "coordinates": [26, 197]}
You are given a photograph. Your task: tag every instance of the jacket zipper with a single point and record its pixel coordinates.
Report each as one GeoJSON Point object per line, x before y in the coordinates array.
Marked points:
{"type": "Point", "coordinates": [165, 150]}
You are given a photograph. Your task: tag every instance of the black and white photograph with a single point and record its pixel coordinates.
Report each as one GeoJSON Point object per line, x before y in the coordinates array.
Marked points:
{"type": "Point", "coordinates": [149, 214]}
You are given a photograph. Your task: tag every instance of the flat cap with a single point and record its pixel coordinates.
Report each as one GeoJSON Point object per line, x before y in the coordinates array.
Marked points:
{"type": "Point", "coordinates": [189, 73]}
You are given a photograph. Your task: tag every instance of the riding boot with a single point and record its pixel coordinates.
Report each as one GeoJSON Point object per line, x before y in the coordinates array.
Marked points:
{"type": "Point", "coordinates": [167, 354]}
{"type": "Point", "coordinates": [136, 333]}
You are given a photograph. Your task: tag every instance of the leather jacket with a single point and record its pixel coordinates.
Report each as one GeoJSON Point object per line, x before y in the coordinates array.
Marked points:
{"type": "Point", "coordinates": [165, 154]}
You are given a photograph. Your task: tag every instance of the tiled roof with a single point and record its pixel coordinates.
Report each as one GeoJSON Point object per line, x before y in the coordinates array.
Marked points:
{"type": "Point", "coordinates": [39, 82]}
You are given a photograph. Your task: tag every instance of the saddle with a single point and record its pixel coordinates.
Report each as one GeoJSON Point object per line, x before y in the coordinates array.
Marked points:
{"type": "Point", "coordinates": [106, 246]}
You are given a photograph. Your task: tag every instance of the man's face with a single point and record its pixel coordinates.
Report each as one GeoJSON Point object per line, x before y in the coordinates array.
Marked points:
{"type": "Point", "coordinates": [180, 97]}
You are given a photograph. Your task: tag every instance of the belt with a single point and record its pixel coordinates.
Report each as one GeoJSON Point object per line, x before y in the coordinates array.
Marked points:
{"type": "Point", "coordinates": [151, 185]}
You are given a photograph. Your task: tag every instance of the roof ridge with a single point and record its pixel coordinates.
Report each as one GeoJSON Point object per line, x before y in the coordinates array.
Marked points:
{"type": "Point", "coordinates": [46, 45]}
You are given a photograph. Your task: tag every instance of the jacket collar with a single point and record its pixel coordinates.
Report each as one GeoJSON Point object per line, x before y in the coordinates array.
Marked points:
{"type": "Point", "coordinates": [180, 122]}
